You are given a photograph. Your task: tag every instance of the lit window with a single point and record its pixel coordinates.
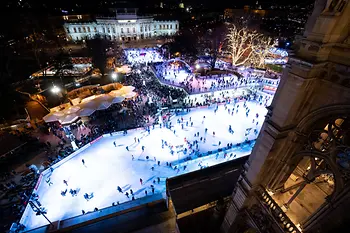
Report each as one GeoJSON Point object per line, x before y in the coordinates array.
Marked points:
{"type": "Point", "coordinates": [79, 17]}
{"type": "Point", "coordinates": [65, 17]}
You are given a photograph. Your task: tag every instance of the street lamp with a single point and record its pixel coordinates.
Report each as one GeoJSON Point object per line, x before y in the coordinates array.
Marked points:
{"type": "Point", "coordinates": [55, 89]}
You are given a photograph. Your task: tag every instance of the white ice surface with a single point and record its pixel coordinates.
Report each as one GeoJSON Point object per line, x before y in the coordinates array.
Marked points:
{"type": "Point", "coordinates": [107, 166]}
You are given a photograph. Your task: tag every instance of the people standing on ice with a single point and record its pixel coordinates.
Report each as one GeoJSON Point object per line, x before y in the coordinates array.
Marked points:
{"type": "Point", "coordinates": [83, 161]}
{"type": "Point", "coordinates": [152, 168]}
{"type": "Point", "coordinates": [63, 193]}
{"type": "Point", "coordinates": [65, 182]}
{"type": "Point", "coordinates": [120, 189]}
{"type": "Point", "coordinates": [135, 139]}
{"type": "Point", "coordinates": [140, 181]}
{"type": "Point", "coordinates": [158, 163]}
{"type": "Point", "coordinates": [127, 194]}
{"type": "Point", "coordinates": [127, 148]}
{"type": "Point", "coordinates": [132, 157]}
{"type": "Point", "coordinates": [143, 148]}
{"type": "Point", "coordinates": [158, 180]}
{"type": "Point", "coordinates": [115, 145]}
{"type": "Point", "coordinates": [131, 192]}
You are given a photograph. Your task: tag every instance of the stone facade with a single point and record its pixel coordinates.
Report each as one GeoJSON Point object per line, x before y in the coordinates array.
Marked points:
{"type": "Point", "coordinates": [123, 27]}
{"type": "Point", "coordinates": [299, 170]}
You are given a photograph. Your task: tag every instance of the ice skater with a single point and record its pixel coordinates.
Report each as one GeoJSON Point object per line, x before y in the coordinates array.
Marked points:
{"type": "Point", "coordinates": [127, 148]}
{"type": "Point", "coordinates": [140, 181]}
{"type": "Point", "coordinates": [48, 181]}
{"type": "Point", "coordinates": [83, 161]}
{"type": "Point", "coordinates": [115, 145]}
{"type": "Point", "coordinates": [65, 182]}
{"type": "Point", "coordinates": [120, 189]}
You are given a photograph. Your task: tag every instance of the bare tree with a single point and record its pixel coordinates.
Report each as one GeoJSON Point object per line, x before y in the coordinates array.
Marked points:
{"type": "Point", "coordinates": [248, 47]}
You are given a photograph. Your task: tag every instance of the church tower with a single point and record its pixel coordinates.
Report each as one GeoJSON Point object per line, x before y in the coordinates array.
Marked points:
{"type": "Point", "coordinates": [297, 178]}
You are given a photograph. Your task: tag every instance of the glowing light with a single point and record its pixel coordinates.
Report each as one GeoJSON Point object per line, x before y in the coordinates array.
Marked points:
{"type": "Point", "coordinates": [198, 66]}
{"type": "Point", "coordinates": [114, 75]}
{"type": "Point", "coordinates": [248, 47]}
{"type": "Point", "coordinates": [55, 89]}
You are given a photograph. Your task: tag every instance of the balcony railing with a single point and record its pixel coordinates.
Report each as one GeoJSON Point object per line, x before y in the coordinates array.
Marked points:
{"type": "Point", "coordinates": [277, 213]}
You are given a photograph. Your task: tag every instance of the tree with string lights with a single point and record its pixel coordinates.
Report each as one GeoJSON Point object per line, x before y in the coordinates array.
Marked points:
{"type": "Point", "coordinates": [248, 47]}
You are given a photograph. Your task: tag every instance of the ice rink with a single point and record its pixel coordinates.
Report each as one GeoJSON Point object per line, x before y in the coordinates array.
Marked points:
{"type": "Point", "coordinates": [108, 166]}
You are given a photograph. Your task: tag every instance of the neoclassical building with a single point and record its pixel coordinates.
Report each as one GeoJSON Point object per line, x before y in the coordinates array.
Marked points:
{"type": "Point", "coordinates": [122, 27]}
{"type": "Point", "coordinates": [297, 178]}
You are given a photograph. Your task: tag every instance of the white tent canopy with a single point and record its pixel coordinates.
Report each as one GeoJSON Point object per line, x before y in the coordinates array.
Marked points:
{"type": "Point", "coordinates": [67, 114]}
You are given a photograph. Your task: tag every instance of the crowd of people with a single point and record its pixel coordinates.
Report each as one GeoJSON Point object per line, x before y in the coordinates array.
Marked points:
{"type": "Point", "coordinates": [143, 109]}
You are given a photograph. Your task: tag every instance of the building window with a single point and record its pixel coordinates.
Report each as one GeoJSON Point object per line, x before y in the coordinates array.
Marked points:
{"type": "Point", "coordinates": [109, 30]}
{"type": "Point", "coordinates": [167, 26]}
{"type": "Point", "coordinates": [171, 26]}
{"type": "Point", "coordinates": [154, 27]}
{"type": "Point", "coordinates": [163, 26]}
{"type": "Point", "coordinates": [65, 17]}
{"type": "Point", "coordinates": [133, 30]}
{"type": "Point", "coordinates": [84, 29]}
{"type": "Point", "coordinates": [67, 30]}
{"type": "Point", "coordinates": [113, 29]}
{"type": "Point", "coordinates": [176, 26]}
{"type": "Point", "coordinates": [160, 27]}
{"type": "Point", "coordinates": [149, 27]}
{"type": "Point", "coordinates": [95, 29]}
{"type": "Point", "coordinates": [141, 29]}
{"type": "Point", "coordinates": [127, 30]}
{"type": "Point", "coordinates": [122, 31]}
{"type": "Point", "coordinates": [75, 30]}
{"type": "Point", "coordinates": [104, 30]}
{"type": "Point", "coordinates": [79, 30]}
{"type": "Point", "coordinates": [88, 29]}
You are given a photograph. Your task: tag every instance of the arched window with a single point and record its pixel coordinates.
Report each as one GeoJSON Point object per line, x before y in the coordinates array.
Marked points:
{"type": "Point", "coordinates": [79, 29]}
{"type": "Point", "coordinates": [75, 30]}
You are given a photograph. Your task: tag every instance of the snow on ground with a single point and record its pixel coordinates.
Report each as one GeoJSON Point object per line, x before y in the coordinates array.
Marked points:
{"type": "Point", "coordinates": [108, 166]}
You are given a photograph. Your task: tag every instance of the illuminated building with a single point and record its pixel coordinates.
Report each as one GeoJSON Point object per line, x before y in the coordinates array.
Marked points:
{"type": "Point", "coordinates": [122, 27]}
